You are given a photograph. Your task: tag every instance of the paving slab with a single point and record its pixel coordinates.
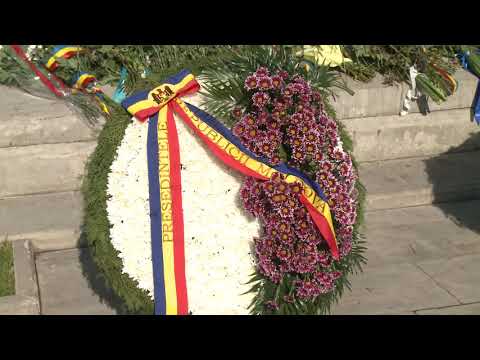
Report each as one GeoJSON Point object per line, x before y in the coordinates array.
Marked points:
{"type": "Point", "coordinates": [18, 305]}
{"type": "Point", "coordinates": [391, 290]}
{"type": "Point", "coordinates": [43, 168]}
{"type": "Point", "coordinates": [394, 136]}
{"type": "Point", "coordinates": [30, 120]}
{"type": "Point", "coordinates": [470, 309]}
{"type": "Point", "coordinates": [64, 289]}
{"type": "Point", "coordinates": [50, 221]}
{"type": "Point", "coordinates": [459, 275]}
{"type": "Point", "coordinates": [422, 233]}
{"type": "Point", "coordinates": [421, 181]}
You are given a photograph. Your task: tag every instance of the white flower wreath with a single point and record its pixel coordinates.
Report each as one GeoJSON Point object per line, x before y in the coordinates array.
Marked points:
{"type": "Point", "coordinates": [218, 233]}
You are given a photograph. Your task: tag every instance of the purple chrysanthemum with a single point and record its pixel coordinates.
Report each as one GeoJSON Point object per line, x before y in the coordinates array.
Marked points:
{"type": "Point", "coordinates": [251, 83]}
{"type": "Point", "coordinates": [260, 99]}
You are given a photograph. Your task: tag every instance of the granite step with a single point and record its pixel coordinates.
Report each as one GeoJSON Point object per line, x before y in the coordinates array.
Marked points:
{"type": "Point", "coordinates": [51, 221]}
{"type": "Point", "coordinates": [408, 182]}
{"type": "Point", "coordinates": [43, 168]}
{"type": "Point", "coordinates": [419, 259]}
{"type": "Point", "coordinates": [31, 120]}
{"type": "Point", "coordinates": [422, 233]}
{"type": "Point", "coordinates": [393, 136]}
{"type": "Point", "coordinates": [66, 286]}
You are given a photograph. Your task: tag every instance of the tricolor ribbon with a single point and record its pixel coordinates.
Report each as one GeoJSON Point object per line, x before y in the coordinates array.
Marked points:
{"type": "Point", "coordinates": [159, 106]}
{"type": "Point", "coordinates": [85, 82]}
{"type": "Point", "coordinates": [82, 82]}
{"type": "Point", "coordinates": [59, 52]}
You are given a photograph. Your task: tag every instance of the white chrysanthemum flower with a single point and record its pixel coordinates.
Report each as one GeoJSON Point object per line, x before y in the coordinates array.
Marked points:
{"type": "Point", "coordinates": [218, 233]}
{"type": "Point", "coordinates": [339, 145]}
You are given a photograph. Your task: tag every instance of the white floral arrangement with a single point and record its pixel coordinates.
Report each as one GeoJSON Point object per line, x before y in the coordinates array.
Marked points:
{"type": "Point", "coordinates": [218, 232]}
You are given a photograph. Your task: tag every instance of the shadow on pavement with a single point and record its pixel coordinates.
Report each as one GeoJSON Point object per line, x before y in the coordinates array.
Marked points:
{"type": "Point", "coordinates": [97, 282]}
{"type": "Point", "coordinates": [463, 212]}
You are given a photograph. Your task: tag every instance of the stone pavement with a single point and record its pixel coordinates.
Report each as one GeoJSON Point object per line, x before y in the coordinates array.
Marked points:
{"type": "Point", "coordinates": [65, 289]}
{"type": "Point", "coordinates": [422, 229]}
{"type": "Point", "coordinates": [419, 261]}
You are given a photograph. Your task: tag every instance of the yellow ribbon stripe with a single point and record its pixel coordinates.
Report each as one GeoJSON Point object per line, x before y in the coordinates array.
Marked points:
{"type": "Point", "coordinates": [81, 79]}
{"type": "Point", "coordinates": [61, 53]}
{"type": "Point", "coordinates": [167, 222]}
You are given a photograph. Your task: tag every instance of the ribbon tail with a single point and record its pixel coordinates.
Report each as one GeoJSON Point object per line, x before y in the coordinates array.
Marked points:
{"type": "Point", "coordinates": [167, 231]}
{"type": "Point", "coordinates": [177, 214]}
{"type": "Point", "coordinates": [324, 225]}
{"type": "Point", "coordinates": [101, 103]}
{"type": "Point", "coordinates": [155, 217]}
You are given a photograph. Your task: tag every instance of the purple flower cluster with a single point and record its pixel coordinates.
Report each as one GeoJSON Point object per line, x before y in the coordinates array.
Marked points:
{"type": "Point", "coordinates": [290, 241]}
{"type": "Point", "coordinates": [320, 283]}
{"type": "Point", "coordinates": [286, 112]}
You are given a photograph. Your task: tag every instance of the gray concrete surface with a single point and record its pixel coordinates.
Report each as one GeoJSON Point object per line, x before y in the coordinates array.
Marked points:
{"type": "Point", "coordinates": [394, 136]}
{"type": "Point", "coordinates": [50, 221]}
{"type": "Point", "coordinates": [392, 289]}
{"type": "Point", "coordinates": [459, 275]}
{"type": "Point", "coordinates": [29, 120]}
{"type": "Point", "coordinates": [420, 181]}
{"type": "Point", "coordinates": [370, 99]}
{"type": "Point", "coordinates": [420, 259]}
{"type": "Point", "coordinates": [469, 309]}
{"type": "Point", "coordinates": [43, 168]}
{"type": "Point", "coordinates": [64, 290]}
{"type": "Point", "coordinates": [422, 233]}
{"type": "Point", "coordinates": [18, 305]}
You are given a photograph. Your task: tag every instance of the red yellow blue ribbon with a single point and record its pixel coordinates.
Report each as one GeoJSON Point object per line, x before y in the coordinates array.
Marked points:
{"type": "Point", "coordinates": [165, 181]}
{"type": "Point", "coordinates": [85, 82]}
{"type": "Point", "coordinates": [61, 51]}
{"type": "Point", "coordinates": [82, 80]}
